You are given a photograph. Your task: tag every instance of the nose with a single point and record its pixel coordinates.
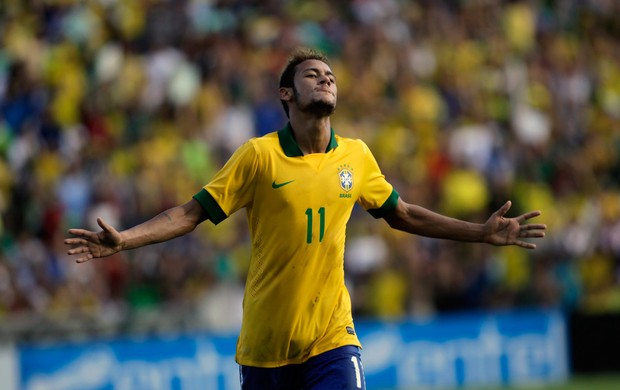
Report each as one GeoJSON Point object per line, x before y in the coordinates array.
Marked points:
{"type": "Point", "coordinates": [324, 79]}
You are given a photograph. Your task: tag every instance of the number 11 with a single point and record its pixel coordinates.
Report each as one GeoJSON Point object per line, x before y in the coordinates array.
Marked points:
{"type": "Point", "coordinates": [309, 213]}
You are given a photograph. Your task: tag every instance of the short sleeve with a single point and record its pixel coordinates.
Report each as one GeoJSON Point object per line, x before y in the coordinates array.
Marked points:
{"type": "Point", "coordinates": [377, 196]}
{"type": "Point", "coordinates": [231, 188]}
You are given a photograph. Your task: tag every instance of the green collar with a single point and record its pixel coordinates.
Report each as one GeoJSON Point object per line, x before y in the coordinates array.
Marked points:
{"type": "Point", "coordinates": [290, 146]}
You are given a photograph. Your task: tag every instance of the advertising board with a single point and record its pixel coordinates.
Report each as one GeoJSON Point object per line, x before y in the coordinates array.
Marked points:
{"type": "Point", "coordinates": [469, 350]}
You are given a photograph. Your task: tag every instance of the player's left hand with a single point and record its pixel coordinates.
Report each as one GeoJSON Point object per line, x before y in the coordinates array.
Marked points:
{"type": "Point", "coordinates": [509, 231]}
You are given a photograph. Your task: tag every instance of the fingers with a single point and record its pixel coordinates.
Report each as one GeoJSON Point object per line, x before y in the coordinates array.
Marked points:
{"type": "Point", "coordinates": [81, 250]}
{"type": "Point", "coordinates": [103, 225]}
{"type": "Point", "coordinates": [79, 232]}
{"type": "Point", "coordinates": [75, 241]}
{"type": "Point", "coordinates": [535, 234]}
{"type": "Point", "coordinates": [88, 245]}
{"type": "Point", "coordinates": [79, 244]}
{"type": "Point", "coordinates": [84, 258]}
{"type": "Point", "coordinates": [77, 250]}
{"type": "Point", "coordinates": [521, 218]}
{"type": "Point", "coordinates": [526, 216]}
{"type": "Point", "coordinates": [534, 226]}
{"type": "Point", "coordinates": [530, 231]}
{"type": "Point", "coordinates": [526, 245]}
{"type": "Point", "coordinates": [504, 209]}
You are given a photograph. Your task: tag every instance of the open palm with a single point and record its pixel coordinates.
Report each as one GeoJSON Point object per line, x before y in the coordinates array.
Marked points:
{"type": "Point", "coordinates": [90, 245]}
{"type": "Point", "coordinates": [509, 231]}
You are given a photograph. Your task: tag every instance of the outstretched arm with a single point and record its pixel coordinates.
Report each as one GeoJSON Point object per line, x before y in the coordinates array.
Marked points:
{"type": "Point", "coordinates": [171, 223]}
{"type": "Point", "coordinates": [497, 230]}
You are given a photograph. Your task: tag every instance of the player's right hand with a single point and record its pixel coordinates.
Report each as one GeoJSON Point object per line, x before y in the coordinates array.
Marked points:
{"type": "Point", "coordinates": [90, 245]}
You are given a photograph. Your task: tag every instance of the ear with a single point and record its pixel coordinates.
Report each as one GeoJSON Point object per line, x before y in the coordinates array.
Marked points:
{"type": "Point", "coordinates": [286, 94]}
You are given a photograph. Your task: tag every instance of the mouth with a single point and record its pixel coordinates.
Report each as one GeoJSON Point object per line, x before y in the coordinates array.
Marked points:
{"type": "Point", "coordinates": [326, 90]}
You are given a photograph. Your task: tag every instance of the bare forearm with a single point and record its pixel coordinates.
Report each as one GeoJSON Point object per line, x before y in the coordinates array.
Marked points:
{"type": "Point", "coordinates": [418, 220]}
{"type": "Point", "coordinates": [170, 224]}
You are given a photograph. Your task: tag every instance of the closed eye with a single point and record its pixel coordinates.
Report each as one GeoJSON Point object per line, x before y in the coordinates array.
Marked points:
{"type": "Point", "coordinates": [314, 73]}
{"type": "Point", "coordinates": [314, 76]}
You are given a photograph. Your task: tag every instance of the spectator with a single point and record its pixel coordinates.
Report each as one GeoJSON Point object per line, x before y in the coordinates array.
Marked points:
{"type": "Point", "coordinates": [450, 90]}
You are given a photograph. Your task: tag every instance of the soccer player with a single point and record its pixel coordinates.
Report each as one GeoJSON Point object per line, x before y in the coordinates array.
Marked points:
{"type": "Point", "coordinates": [298, 186]}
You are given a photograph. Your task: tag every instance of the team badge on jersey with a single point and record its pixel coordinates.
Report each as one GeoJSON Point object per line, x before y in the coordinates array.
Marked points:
{"type": "Point", "coordinates": [345, 174]}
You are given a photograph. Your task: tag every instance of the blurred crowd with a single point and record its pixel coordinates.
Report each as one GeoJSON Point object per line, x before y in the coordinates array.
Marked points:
{"type": "Point", "coordinates": [121, 109]}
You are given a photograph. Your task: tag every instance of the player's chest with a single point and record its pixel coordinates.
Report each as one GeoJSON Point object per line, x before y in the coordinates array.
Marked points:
{"type": "Point", "coordinates": [313, 176]}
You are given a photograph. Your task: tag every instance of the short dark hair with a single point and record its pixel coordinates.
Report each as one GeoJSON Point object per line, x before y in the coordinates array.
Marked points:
{"type": "Point", "coordinates": [298, 56]}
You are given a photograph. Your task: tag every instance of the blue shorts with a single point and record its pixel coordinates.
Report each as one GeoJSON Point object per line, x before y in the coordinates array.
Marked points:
{"type": "Point", "coordinates": [340, 368]}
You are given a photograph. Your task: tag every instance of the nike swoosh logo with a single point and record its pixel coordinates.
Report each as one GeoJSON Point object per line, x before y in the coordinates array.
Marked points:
{"type": "Point", "coordinates": [278, 185]}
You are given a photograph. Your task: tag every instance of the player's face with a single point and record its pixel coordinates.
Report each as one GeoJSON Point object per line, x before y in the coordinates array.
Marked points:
{"type": "Point", "coordinates": [315, 88]}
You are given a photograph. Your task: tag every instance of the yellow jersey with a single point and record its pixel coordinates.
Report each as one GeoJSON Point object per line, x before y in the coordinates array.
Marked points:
{"type": "Point", "coordinates": [296, 304]}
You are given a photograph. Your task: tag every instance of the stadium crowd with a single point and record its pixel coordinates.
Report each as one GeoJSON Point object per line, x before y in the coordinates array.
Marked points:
{"type": "Point", "coordinates": [121, 109]}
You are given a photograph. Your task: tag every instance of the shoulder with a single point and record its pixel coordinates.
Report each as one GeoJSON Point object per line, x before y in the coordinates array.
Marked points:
{"type": "Point", "coordinates": [255, 151]}
{"type": "Point", "coordinates": [353, 144]}
{"type": "Point", "coordinates": [258, 145]}
{"type": "Point", "coordinates": [265, 143]}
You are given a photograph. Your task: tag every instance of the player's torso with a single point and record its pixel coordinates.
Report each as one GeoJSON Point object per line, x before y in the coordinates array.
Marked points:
{"type": "Point", "coordinates": [298, 219]}
{"type": "Point", "coordinates": [308, 198]}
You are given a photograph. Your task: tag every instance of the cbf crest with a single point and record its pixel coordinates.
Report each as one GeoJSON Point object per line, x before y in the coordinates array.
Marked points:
{"type": "Point", "coordinates": [345, 174]}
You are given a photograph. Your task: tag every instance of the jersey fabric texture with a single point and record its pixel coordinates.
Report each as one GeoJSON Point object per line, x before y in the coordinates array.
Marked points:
{"type": "Point", "coordinates": [296, 304]}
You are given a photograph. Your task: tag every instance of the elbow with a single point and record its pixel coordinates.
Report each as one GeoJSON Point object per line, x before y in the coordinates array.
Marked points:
{"type": "Point", "coordinates": [181, 229]}
{"type": "Point", "coordinates": [191, 224]}
{"type": "Point", "coordinates": [192, 215]}
{"type": "Point", "coordinates": [391, 221]}
{"type": "Point", "coordinates": [396, 220]}
{"type": "Point", "coordinates": [405, 218]}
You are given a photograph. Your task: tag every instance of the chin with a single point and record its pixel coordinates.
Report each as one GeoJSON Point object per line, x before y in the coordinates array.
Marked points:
{"type": "Point", "coordinates": [320, 108]}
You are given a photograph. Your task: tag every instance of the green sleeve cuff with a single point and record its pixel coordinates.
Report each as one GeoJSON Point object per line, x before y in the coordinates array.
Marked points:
{"type": "Point", "coordinates": [213, 210]}
{"type": "Point", "coordinates": [388, 206]}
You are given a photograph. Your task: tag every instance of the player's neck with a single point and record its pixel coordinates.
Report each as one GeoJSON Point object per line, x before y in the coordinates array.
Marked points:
{"type": "Point", "coordinates": [312, 134]}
